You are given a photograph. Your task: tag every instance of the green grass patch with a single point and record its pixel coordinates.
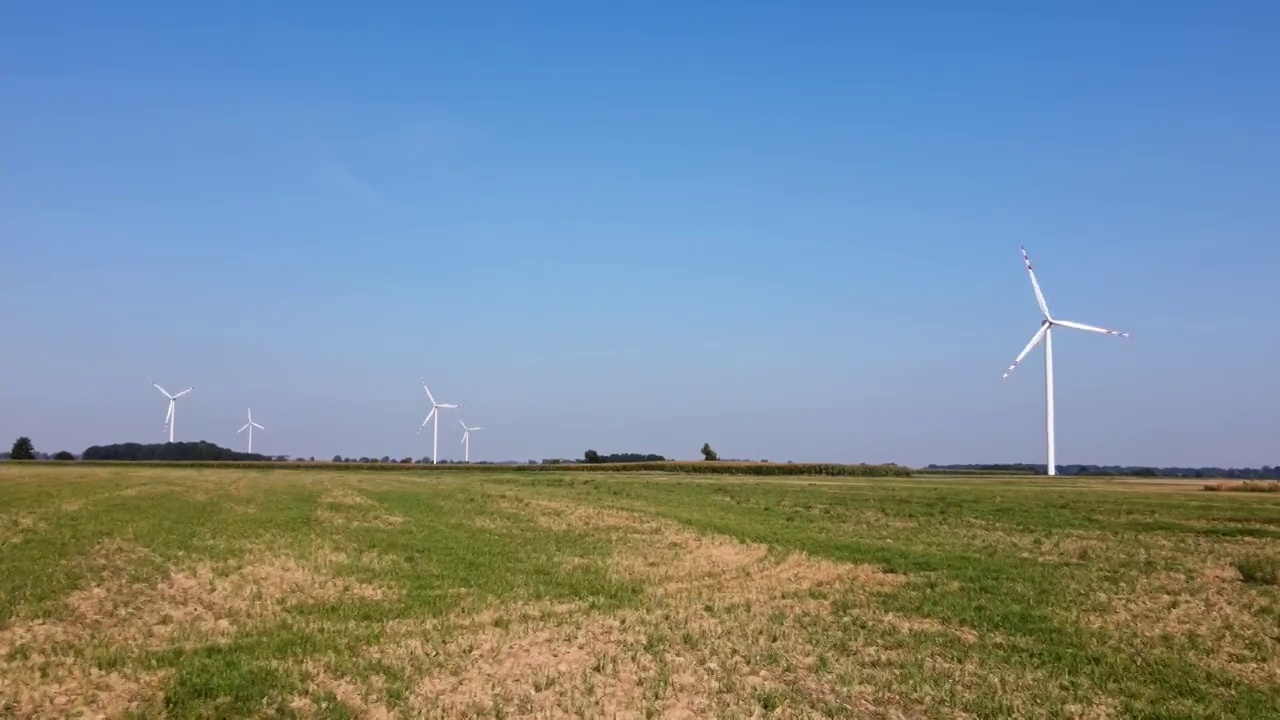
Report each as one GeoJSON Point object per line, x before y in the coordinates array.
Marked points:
{"type": "Point", "coordinates": [1259, 569]}
{"type": "Point", "coordinates": [253, 591]}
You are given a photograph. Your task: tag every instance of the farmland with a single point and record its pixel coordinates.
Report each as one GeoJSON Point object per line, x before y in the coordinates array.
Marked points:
{"type": "Point", "coordinates": [135, 591]}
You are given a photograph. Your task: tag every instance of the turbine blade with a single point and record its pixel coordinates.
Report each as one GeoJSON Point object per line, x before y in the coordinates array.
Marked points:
{"type": "Point", "coordinates": [448, 405]}
{"type": "Point", "coordinates": [464, 425]}
{"type": "Point", "coordinates": [1090, 328]}
{"type": "Point", "coordinates": [166, 392]}
{"type": "Point", "coordinates": [246, 427]}
{"type": "Point", "coordinates": [1034, 339]}
{"type": "Point", "coordinates": [1044, 307]}
{"type": "Point", "coordinates": [169, 415]}
{"type": "Point", "coordinates": [464, 438]}
{"type": "Point", "coordinates": [429, 395]}
{"type": "Point", "coordinates": [184, 392]}
{"type": "Point", "coordinates": [475, 428]}
{"type": "Point", "coordinates": [257, 426]}
{"type": "Point", "coordinates": [427, 419]}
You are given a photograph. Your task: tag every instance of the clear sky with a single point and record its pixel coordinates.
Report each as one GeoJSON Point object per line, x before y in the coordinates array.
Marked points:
{"type": "Point", "coordinates": [787, 229]}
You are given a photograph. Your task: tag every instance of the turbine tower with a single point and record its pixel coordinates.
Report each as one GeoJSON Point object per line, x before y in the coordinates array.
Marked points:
{"type": "Point", "coordinates": [1046, 333]}
{"type": "Point", "coordinates": [173, 404]}
{"type": "Point", "coordinates": [466, 440]}
{"type": "Point", "coordinates": [435, 429]}
{"type": "Point", "coordinates": [250, 426]}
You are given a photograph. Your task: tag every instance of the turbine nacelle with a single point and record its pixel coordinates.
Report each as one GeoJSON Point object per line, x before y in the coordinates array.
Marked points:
{"type": "Point", "coordinates": [250, 424]}
{"type": "Point", "coordinates": [467, 430]}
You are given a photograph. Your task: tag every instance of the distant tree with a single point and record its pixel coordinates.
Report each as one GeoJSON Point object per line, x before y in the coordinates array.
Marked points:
{"type": "Point", "coordinates": [199, 451]}
{"type": "Point", "coordinates": [709, 454]}
{"type": "Point", "coordinates": [591, 456]}
{"type": "Point", "coordinates": [64, 455]}
{"type": "Point", "coordinates": [406, 461]}
{"type": "Point", "coordinates": [22, 449]}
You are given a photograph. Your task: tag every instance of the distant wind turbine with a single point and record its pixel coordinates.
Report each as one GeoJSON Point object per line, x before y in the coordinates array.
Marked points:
{"type": "Point", "coordinates": [1046, 333]}
{"type": "Point", "coordinates": [466, 440]}
{"type": "Point", "coordinates": [435, 429]}
{"type": "Point", "coordinates": [173, 404]}
{"type": "Point", "coordinates": [250, 426]}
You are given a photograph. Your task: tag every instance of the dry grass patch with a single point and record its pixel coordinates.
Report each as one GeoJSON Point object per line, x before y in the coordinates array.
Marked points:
{"type": "Point", "coordinates": [906, 624]}
{"type": "Point", "coordinates": [722, 631]}
{"type": "Point", "coordinates": [673, 560]}
{"type": "Point", "coordinates": [877, 519]}
{"type": "Point", "coordinates": [62, 687]}
{"type": "Point", "coordinates": [345, 496]}
{"type": "Point", "coordinates": [358, 699]}
{"type": "Point", "coordinates": [343, 507]}
{"type": "Point", "coordinates": [379, 521]}
{"type": "Point", "coordinates": [14, 526]}
{"type": "Point", "coordinates": [151, 489]}
{"type": "Point", "coordinates": [490, 522]}
{"type": "Point", "coordinates": [1245, 486]}
{"type": "Point", "coordinates": [574, 517]}
{"type": "Point", "coordinates": [1073, 546]}
{"type": "Point", "coordinates": [47, 665]}
{"type": "Point", "coordinates": [629, 664]}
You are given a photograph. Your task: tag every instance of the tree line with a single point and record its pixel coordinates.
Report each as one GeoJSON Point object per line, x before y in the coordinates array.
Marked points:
{"type": "Point", "coordinates": [24, 449]}
{"type": "Point", "coordinates": [198, 451]}
{"type": "Point", "coordinates": [591, 457]}
{"type": "Point", "coordinates": [1266, 472]}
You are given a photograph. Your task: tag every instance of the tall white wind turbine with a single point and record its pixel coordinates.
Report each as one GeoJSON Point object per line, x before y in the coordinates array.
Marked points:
{"type": "Point", "coordinates": [250, 426]}
{"type": "Point", "coordinates": [1046, 333]}
{"type": "Point", "coordinates": [173, 405]}
{"type": "Point", "coordinates": [466, 440]}
{"type": "Point", "coordinates": [435, 429]}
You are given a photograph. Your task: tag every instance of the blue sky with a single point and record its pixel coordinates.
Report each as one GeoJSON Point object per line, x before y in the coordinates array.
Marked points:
{"type": "Point", "coordinates": [789, 230]}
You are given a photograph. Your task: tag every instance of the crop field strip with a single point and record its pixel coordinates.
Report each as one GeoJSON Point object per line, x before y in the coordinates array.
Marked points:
{"type": "Point", "coordinates": [145, 591]}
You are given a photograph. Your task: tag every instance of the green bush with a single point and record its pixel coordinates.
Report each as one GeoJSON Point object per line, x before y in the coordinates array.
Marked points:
{"type": "Point", "coordinates": [1259, 569]}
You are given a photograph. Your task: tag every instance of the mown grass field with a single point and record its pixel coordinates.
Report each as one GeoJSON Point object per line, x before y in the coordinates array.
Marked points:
{"type": "Point", "coordinates": [160, 592]}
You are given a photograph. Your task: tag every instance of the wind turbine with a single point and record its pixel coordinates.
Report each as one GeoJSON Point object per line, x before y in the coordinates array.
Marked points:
{"type": "Point", "coordinates": [1046, 333]}
{"type": "Point", "coordinates": [250, 426]}
{"type": "Point", "coordinates": [173, 404]}
{"type": "Point", "coordinates": [466, 440]}
{"type": "Point", "coordinates": [435, 429]}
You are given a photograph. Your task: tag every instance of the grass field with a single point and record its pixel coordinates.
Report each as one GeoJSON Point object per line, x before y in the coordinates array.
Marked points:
{"type": "Point", "coordinates": [147, 592]}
